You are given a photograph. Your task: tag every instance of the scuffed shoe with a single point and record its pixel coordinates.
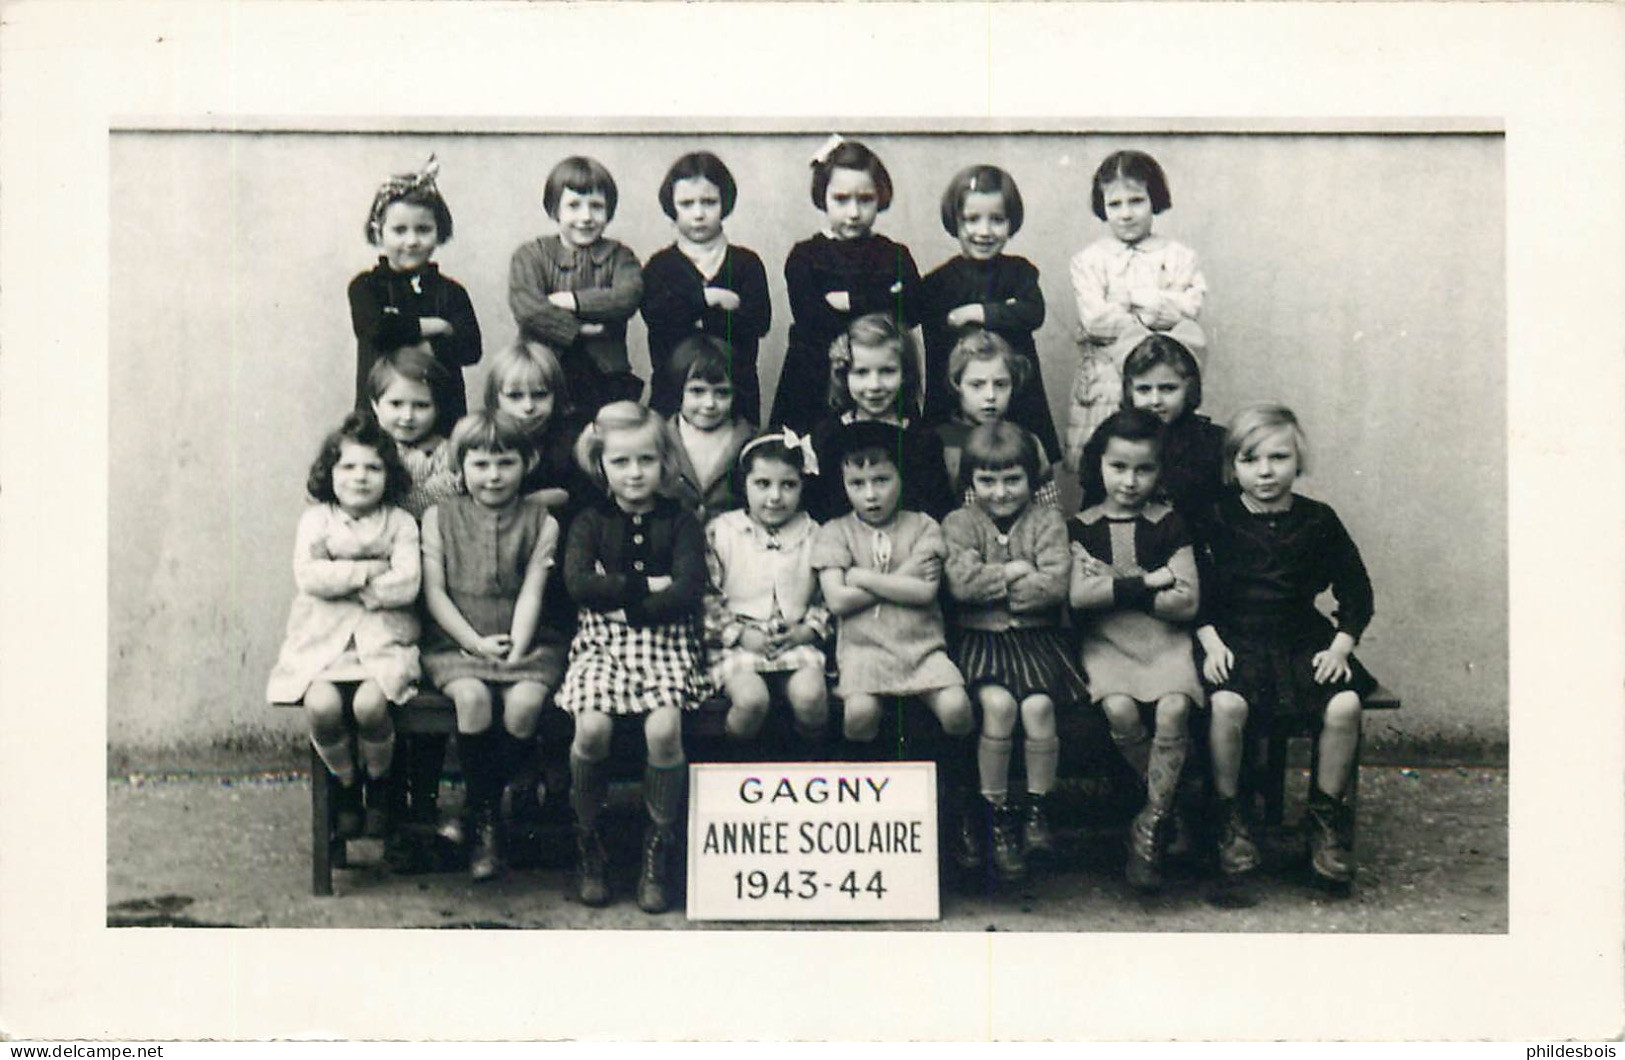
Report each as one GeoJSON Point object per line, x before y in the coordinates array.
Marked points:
{"type": "Point", "coordinates": [1036, 836]}
{"type": "Point", "coordinates": [592, 866]}
{"type": "Point", "coordinates": [1238, 854]}
{"type": "Point", "coordinates": [1009, 865]}
{"type": "Point", "coordinates": [1331, 847]}
{"type": "Point", "coordinates": [1144, 869]}
{"type": "Point", "coordinates": [654, 883]}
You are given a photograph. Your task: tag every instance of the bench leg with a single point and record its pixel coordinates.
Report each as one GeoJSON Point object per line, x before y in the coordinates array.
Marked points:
{"type": "Point", "coordinates": [1275, 780]}
{"type": "Point", "coordinates": [321, 827]}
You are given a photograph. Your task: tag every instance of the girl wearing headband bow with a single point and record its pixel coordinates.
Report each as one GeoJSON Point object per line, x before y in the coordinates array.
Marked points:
{"type": "Point", "coordinates": [842, 273]}
{"type": "Point", "coordinates": [765, 617]}
{"type": "Point", "coordinates": [405, 300]}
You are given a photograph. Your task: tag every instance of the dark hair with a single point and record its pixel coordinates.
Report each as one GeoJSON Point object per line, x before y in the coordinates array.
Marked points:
{"type": "Point", "coordinates": [1130, 165]}
{"type": "Point", "coordinates": [849, 154]}
{"type": "Point", "coordinates": [702, 164]}
{"type": "Point", "coordinates": [874, 329]}
{"type": "Point", "coordinates": [769, 445]}
{"type": "Point", "coordinates": [414, 189]}
{"type": "Point", "coordinates": [703, 357]}
{"type": "Point", "coordinates": [865, 442]}
{"type": "Point", "coordinates": [1155, 350]}
{"type": "Point", "coordinates": [979, 344]}
{"type": "Point", "coordinates": [1130, 425]}
{"type": "Point", "coordinates": [583, 176]}
{"type": "Point", "coordinates": [358, 428]}
{"type": "Point", "coordinates": [408, 362]}
{"type": "Point", "coordinates": [997, 446]}
{"type": "Point", "coordinates": [990, 179]}
{"type": "Point", "coordinates": [494, 432]}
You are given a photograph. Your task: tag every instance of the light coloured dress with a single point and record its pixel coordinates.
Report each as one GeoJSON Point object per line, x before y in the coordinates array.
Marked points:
{"type": "Point", "coordinates": [761, 579]}
{"type": "Point", "coordinates": [887, 649]}
{"type": "Point", "coordinates": [1111, 280]}
{"type": "Point", "coordinates": [486, 554]}
{"type": "Point", "coordinates": [345, 625]}
{"type": "Point", "coordinates": [1137, 641]}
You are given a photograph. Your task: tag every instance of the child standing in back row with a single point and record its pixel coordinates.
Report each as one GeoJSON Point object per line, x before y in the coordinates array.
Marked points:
{"type": "Point", "coordinates": [843, 273]}
{"type": "Point", "coordinates": [405, 300]}
{"type": "Point", "coordinates": [704, 284]}
{"type": "Point", "coordinates": [576, 290]}
{"type": "Point", "coordinates": [1128, 285]}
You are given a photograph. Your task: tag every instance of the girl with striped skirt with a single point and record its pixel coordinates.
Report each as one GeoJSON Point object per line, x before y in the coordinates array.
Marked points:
{"type": "Point", "coordinates": [1008, 569]}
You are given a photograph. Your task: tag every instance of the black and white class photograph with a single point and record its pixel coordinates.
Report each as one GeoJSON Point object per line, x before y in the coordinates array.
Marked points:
{"type": "Point", "coordinates": [1077, 528]}
{"type": "Point", "coordinates": [1090, 467]}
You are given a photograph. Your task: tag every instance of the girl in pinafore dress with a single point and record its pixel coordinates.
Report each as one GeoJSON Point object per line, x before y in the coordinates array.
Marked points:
{"type": "Point", "coordinates": [1134, 577]}
{"type": "Point", "coordinates": [486, 554]}
{"type": "Point", "coordinates": [880, 567]}
{"type": "Point", "coordinates": [352, 627]}
{"type": "Point", "coordinates": [764, 611]}
{"type": "Point", "coordinates": [1008, 567]}
{"type": "Point", "coordinates": [635, 567]}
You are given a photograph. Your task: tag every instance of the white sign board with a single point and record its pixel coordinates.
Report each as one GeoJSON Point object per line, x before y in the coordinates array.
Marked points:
{"type": "Point", "coordinates": [813, 841]}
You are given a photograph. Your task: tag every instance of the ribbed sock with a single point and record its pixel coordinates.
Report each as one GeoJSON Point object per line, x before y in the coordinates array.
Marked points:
{"type": "Point", "coordinates": [1043, 756]}
{"type": "Point", "coordinates": [663, 791]}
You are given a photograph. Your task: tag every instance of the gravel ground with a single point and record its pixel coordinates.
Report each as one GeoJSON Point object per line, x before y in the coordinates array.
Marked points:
{"type": "Point", "coordinates": [232, 850]}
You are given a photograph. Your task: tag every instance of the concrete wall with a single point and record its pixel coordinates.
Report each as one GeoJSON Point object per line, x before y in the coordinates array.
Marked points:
{"type": "Point", "coordinates": [1358, 278]}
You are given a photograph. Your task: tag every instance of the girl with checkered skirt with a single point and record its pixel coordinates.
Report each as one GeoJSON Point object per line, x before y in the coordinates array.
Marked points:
{"type": "Point", "coordinates": [635, 566]}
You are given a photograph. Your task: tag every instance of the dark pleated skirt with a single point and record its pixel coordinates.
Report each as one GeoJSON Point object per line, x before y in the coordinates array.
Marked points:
{"type": "Point", "coordinates": [1279, 681]}
{"type": "Point", "coordinates": [1026, 662]}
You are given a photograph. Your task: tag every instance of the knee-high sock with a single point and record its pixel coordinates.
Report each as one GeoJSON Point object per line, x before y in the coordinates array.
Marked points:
{"type": "Point", "coordinates": [589, 787]}
{"type": "Point", "coordinates": [1162, 775]}
{"type": "Point", "coordinates": [663, 791]}
{"type": "Point", "coordinates": [1135, 748]}
{"type": "Point", "coordinates": [1043, 756]}
{"type": "Point", "coordinates": [993, 763]}
{"type": "Point", "coordinates": [338, 758]}
{"type": "Point", "coordinates": [377, 754]}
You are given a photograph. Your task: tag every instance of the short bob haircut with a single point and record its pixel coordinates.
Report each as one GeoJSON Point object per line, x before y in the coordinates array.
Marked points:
{"type": "Point", "coordinates": [527, 361]}
{"type": "Point", "coordinates": [584, 176]}
{"type": "Point", "coordinates": [871, 330]}
{"type": "Point", "coordinates": [977, 344]}
{"type": "Point", "coordinates": [867, 442]}
{"type": "Point", "coordinates": [996, 447]}
{"type": "Point", "coordinates": [405, 188]}
{"type": "Point", "coordinates": [703, 165]}
{"type": "Point", "coordinates": [1130, 165]}
{"type": "Point", "coordinates": [1156, 351]}
{"type": "Point", "coordinates": [703, 357]}
{"type": "Point", "coordinates": [358, 428]}
{"type": "Point", "coordinates": [849, 154]}
{"type": "Point", "coordinates": [989, 179]}
{"type": "Point", "coordinates": [494, 432]}
{"type": "Point", "coordinates": [408, 362]}
{"type": "Point", "coordinates": [1256, 424]}
{"type": "Point", "coordinates": [621, 416]}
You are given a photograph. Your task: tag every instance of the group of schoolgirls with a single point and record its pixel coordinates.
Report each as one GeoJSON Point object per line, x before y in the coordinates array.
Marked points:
{"type": "Point", "coordinates": [567, 546]}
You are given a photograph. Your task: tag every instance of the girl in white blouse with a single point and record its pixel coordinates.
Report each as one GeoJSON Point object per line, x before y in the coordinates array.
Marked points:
{"type": "Point", "coordinates": [764, 610]}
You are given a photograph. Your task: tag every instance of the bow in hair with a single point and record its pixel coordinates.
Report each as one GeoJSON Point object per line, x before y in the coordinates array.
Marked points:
{"type": "Point", "coordinates": [821, 156]}
{"type": "Point", "coordinates": [792, 441]}
{"type": "Point", "coordinates": [402, 183]}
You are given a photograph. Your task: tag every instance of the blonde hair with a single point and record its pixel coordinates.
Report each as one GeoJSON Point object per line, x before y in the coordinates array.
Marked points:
{"type": "Point", "coordinates": [1255, 423]}
{"type": "Point", "coordinates": [623, 416]}
{"type": "Point", "coordinates": [534, 359]}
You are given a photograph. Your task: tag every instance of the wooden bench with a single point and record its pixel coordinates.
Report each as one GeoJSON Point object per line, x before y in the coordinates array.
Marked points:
{"type": "Point", "coordinates": [1269, 770]}
{"type": "Point", "coordinates": [432, 714]}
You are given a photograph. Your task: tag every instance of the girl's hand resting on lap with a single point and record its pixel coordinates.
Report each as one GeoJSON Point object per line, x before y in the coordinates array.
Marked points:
{"type": "Point", "coordinates": [1217, 658]}
{"type": "Point", "coordinates": [494, 647]}
{"type": "Point", "coordinates": [1332, 665]}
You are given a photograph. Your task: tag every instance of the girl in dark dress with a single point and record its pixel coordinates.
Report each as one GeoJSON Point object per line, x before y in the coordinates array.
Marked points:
{"type": "Point", "coordinates": [405, 300]}
{"type": "Point", "coordinates": [844, 272]}
{"type": "Point", "coordinates": [1269, 552]}
{"type": "Point", "coordinates": [987, 288]}
{"type": "Point", "coordinates": [704, 284]}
